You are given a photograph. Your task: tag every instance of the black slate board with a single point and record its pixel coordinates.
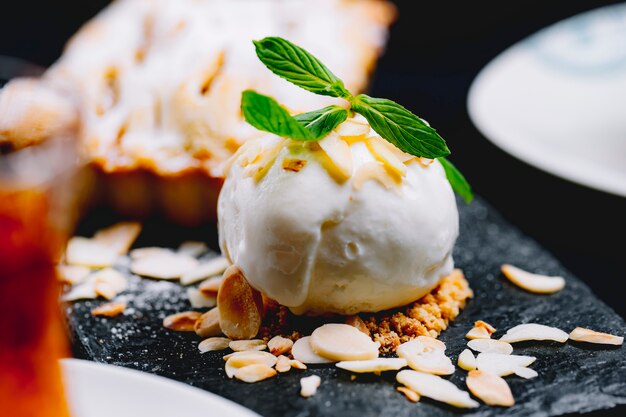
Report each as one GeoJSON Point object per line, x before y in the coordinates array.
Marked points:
{"type": "Point", "coordinates": [573, 378]}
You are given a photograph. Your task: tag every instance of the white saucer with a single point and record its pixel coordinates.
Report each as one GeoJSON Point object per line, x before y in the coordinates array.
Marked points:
{"type": "Point", "coordinates": [557, 100]}
{"type": "Point", "coordinates": [98, 390]}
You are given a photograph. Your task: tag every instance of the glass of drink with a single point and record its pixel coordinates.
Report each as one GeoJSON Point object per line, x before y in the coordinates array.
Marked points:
{"type": "Point", "coordinates": [39, 192]}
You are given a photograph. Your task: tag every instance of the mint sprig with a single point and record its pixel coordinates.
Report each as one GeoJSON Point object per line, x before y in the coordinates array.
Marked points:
{"type": "Point", "coordinates": [266, 114]}
{"type": "Point", "coordinates": [321, 122]}
{"type": "Point", "coordinates": [299, 67]}
{"type": "Point", "coordinates": [390, 120]}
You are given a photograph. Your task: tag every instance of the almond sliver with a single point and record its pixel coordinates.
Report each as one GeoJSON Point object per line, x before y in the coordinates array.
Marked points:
{"type": "Point", "coordinates": [490, 346]}
{"type": "Point", "coordinates": [309, 385]}
{"type": "Point", "coordinates": [168, 265]}
{"type": "Point", "coordinates": [502, 365]}
{"type": "Point", "coordinates": [119, 237]}
{"type": "Point", "coordinates": [88, 252]}
{"type": "Point", "coordinates": [72, 274]}
{"type": "Point", "coordinates": [254, 373]}
{"type": "Point", "coordinates": [436, 388]}
{"type": "Point", "coordinates": [478, 333]}
{"type": "Point", "coordinates": [467, 360]}
{"type": "Point", "coordinates": [384, 155]}
{"type": "Point", "coordinates": [200, 300]}
{"type": "Point", "coordinates": [525, 373]}
{"type": "Point", "coordinates": [373, 365]}
{"type": "Point", "coordinates": [247, 345]}
{"type": "Point", "coordinates": [540, 284]}
{"type": "Point", "coordinates": [213, 343]}
{"type": "Point", "coordinates": [534, 331]}
{"type": "Point", "coordinates": [339, 154]}
{"type": "Point", "coordinates": [353, 128]}
{"type": "Point", "coordinates": [580, 334]}
{"type": "Point", "coordinates": [193, 248]}
{"type": "Point", "coordinates": [342, 342]}
{"type": "Point", "coordinates": [490, 389]}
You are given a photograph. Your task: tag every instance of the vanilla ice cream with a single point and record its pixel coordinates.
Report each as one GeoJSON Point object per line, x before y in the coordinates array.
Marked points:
{"type": "Point", "coordinates": [345, 225]}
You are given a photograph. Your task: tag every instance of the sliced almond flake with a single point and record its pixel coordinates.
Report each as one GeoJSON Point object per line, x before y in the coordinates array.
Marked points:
{"type": "Point", "coordinates": [254, 373]}
{"type": "Point", "coordinates": [377, 365]}
{"type": "Point", "coordinates": [373, 170]}
{"type": "Point", "coordinates": [241, 306]}
{"type": "Point", "coordinates": [353, 128]}
{"type": "Point", "coordinates": [525, 373]}
{"type": "Point", "coordinates": [384, 155]}
{"type": "Point", "coordinates": [436, 388]}
{"type": "Point", "coordinates": [264, 161]}
{"type": "Point", "coordinates": [409, 394]}
{"type": "Point", "coordinates": [210, 286]}
{"type": "Point", "coordinates": [279, 345]}
{"type": "Point", "coordinates": [149, 252]}
{"type": "Point", "coordinates": [467, 360]}
{"type": "Point", "coordinates": [193, 248]}
{"type": "Point", "coordinates": [478, 333]}
{"type": "Point", "coordinates": [199, 300]}
{"type": "Point", "coordinates": [487, 326]}
{"type": "Point", "coordinates": [425, 162]}
{"type": "Point", "coordinates": [112, 277]}
{"type": "Point", "coordinates": [105, 290]}
{"type": "Point", "coordinates": [490, 389]}
{"type": "Point", "coordinates": [431, 344]}
{"type": "Point", "coordinates": [490, 346]}
{"type": "Point", "coordinates": [84, 291]}
{"type": "Point", "coordinates": [108, 310]}
{"type": "Point", "coordinates": [164, 266]}
{"type": "Point", "coordinates": [540, 284]}
{"type": "Point", "coordinates": [297, 364]}
{"type": "Point", "coordinates": [213, 343]}
{"type": "Point", "coordinates": [425, 358]}
{"type": "Point", "coordinates": [247, 345]}
{"type": "Point", "coordinates": [72, 274]}
{"type": "Point", "coordinates": [534, 331]}
{"type": "Point", "coordinates": [342, 342]}
{"type": "Point", "coordinates": [208, 325]}
{"type": "Point", "coordinates": [119, 237]}
{"type": "Point", "coordinates": [204, 270]}
{"type": "Point", "coordinates": [339, 155]}
{"type": "Point", "coordinates": [181, 322]}
{"type": "Point", "coordinates": [302, 352]}
{"type": "Point", "coordinates": [580, 334]}
{"type": "Point", "coordinates": [402, 156]}
{"type": "Point", "coordinates": [240, 359]}
{"type": "Point", "coordinates": [88, 252]}
{"type": "Point", "coordinates": [283, 364]}
{"type": "Point", "coordinates": [309, 385]}
{"type": "Point", "coordinates": [502, 365]}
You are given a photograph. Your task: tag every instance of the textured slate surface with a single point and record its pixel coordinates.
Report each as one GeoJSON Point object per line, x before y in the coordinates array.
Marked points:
{"type": "Point", "coordinates": [573, 378]}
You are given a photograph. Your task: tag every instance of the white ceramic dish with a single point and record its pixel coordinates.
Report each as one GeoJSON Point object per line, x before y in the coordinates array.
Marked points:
{"type": "Point", "coordinates": [557, 100]}
{"type": "Point", "coordinates": [99, 390]}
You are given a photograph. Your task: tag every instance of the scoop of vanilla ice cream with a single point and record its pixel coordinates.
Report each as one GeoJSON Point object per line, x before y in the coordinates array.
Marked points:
{"type": "Point", "coordinates": [345, 225]}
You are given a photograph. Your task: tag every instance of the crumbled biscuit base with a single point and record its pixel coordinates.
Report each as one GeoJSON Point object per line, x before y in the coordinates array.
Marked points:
{"type": "Point", "coordinates": [427, 316]}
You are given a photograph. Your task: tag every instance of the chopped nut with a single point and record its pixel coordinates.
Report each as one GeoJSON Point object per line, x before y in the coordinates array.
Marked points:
{"type": "Point", "coordinates": [478, 333]}
{"type": "Point", "coordinates": [240, 359]}
{"type": "Point", "coordinates": [309, 385]}
{"type": "Point", "coordinates": [435, 387]}
{"type": "Point", "coordinates": [424, 358]}
{"type": "Point", "coordinates": [490, 346]}
{"type": "Point", "coordinates": [279, 345]}
{"type": "Point", "coordinates": [193, 248]}
{"type": "Point", "coordinates": [247, 345]}
{"type": "Point", "coordinates": [377, 365]}
{"type": "Point", "coordinates": [534, 331]}
{"type": "Point", "coordinates": [297, 364]}
{"type": "Point", "coordinates": [356, 321]}
{"type": "Point", "coordinates": [208, 324]}
{"type": "Point", "coordinates": [467, 360]}
{"type": "Point", "coordinates": [181, 322]}
{"type": "Point", "coordinates": [303, 352]}
{"type": "Point", "coordinates": [254, 373]}
{"type": "Point", "coordinates": [409, 394]}
{"type": "Point", "coordinates": [72, 274]}
{"type": "Point", "coordinates": [294, 165]}
{"type": "Point", "coordinates": [490, 388]}
{"type": "Point", "coordinates": [240, 305]}
{"type": "Point", "coordinates": [213, 343]}
{"type": "Point", "coordinates": [342, 342]}
{"type": "Point", "coordinates": [88, 252]}
{"type": "Point", "coordinates": [283, 364]}
{"type": "Point", "coordinates": [108, 310]}
{"type": "Point", "coordinates": [119, 237]}
{"type": "Point", "coordinates": [200, 300]}
{"type": "Point", "coordinates": [540, 284]}
{"type": "Point", "coordinates": [500, 364]}
{"type": "Point", "coordinates": [580, 334]}
{"type": "Point", "coordinates": [204, 270]}
{"type": "Point", "coordinates": [210, 286]}
{"type": "Point", "coordinates": [168, 265]}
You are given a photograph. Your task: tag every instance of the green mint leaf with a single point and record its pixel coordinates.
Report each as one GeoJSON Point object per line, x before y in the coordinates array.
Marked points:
{"type": "Point", "coordinates": [299, 67]}
{"type": "Point", "coordinates": [321, 122]}
{"type": "Point", "coordinates": [399, 126]}
{"type": "Point", "coordinates": [266, 114]}
{"type": "Point", "coordinates": [457, 180]}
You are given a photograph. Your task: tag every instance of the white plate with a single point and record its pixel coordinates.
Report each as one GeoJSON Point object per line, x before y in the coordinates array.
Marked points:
{"type": "Point", "coordinates": [557, 100]}
{"type": "Point", "coordinates": [98, 390]}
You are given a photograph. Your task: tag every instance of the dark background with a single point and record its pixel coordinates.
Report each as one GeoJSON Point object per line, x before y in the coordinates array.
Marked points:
{"type": "Point", "coordinates": [435, 51]}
